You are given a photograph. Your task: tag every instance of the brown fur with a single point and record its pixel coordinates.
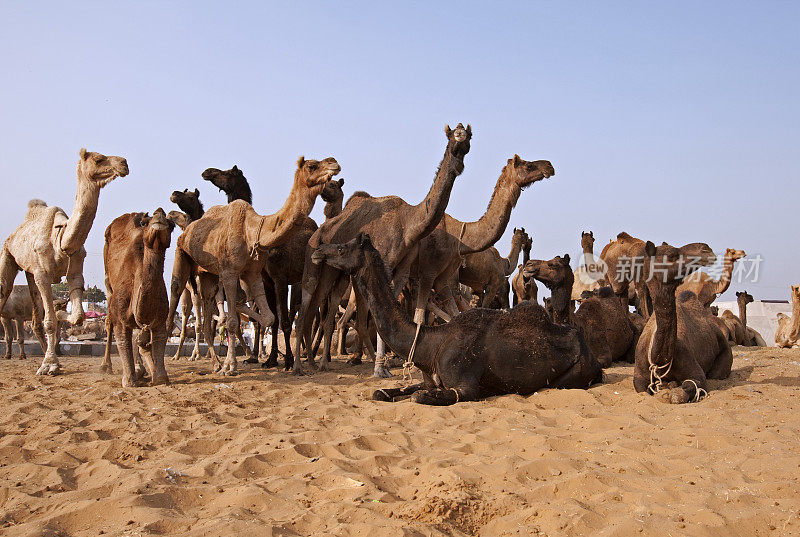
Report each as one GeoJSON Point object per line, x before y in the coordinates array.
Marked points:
{"type": "Point", "coordinates": [705, 287]}
{"type": "Point", "coordinates": [789, 327]}
{"type": "Point", "coordinates": [485, 272]}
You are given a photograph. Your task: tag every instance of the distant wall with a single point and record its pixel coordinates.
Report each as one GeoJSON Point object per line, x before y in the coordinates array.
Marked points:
{"type": "Point", "coordinates": [761, 316]}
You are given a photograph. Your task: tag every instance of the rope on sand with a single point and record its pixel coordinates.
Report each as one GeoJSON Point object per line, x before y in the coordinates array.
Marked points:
{"type": "Point", "coordinates": [409, 363]}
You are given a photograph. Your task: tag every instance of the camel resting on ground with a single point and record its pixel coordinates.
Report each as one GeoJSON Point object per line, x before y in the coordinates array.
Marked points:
{"type": "Point", "coordinates": [479, 353]}
{"type": "Point", "coordinates": [738, 331]}
{"type": "Point", "coordinates": [134, 262]}
{"type": "Point", "coordinates": [681, 345]}
{"type": "Point", "coordinates": [18, 309]}
{"type": "Point", "coordinates": [789, 327]}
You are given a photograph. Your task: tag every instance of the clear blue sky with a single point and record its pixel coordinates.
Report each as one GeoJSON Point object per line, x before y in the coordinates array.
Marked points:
{"type": "Point", "coordinates": [674, 121]}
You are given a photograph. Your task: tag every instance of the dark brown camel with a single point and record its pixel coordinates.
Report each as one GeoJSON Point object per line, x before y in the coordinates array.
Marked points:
{"type": "Point", "coordinates": [481, 352]}
{"type": "Point", "coordinates": [681, 345]}
{"type": "Point", "coordinates": [396, 228]}
{"type": "Point", "coordinates": [232, 182]}
{"type": "Point", "coordinates": [524, 289]}
{"type": "Point", "coordinates": [486, 272]}
{"type": "Point", "coordinates": [135, 245]}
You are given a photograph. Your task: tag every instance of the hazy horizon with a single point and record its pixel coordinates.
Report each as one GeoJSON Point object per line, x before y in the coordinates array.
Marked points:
{"type": "Point", "coordinates": [674, 122]}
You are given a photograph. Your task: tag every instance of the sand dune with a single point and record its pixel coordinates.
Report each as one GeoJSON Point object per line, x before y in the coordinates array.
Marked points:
{"type": "Point", "coordinates": [265, 453]}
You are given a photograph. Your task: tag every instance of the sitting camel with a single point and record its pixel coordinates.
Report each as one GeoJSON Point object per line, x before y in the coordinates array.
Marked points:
{"type": "Point", "coordinates": [134, 262]}
{"type": "Point", "coordinates": [624, 259]}
{"type": "Point", "coordinates": [789, 327]}
{"type": "Point", "coordinates": [18, 309]}
{"type": "Point", "coordinates": [601, 317]}
{"type": "Point", "coordinates": [738, 331]}
{"type": "Point", "coordinates": [230, 240]}
{"type": "Point", "coordinates": [681, 345]}
{"type": "Point", "coordinates": [479, 353]}
{"type": "Point", "coordinates": [485, 271]}
{"type": "Point", "coordinates": [49, 245]}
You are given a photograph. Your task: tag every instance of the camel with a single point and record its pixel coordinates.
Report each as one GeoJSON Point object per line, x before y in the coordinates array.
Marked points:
{"type": "Point", "coordinates": [479, 353]}
{"type": "Point", "coordinates": [486, 271]}
{"type": "Point", "coordinates": [705, 287]}
{"type": "Point", "coordinates": [601, 317]}
{"type": "Point", "coordinates": [681, 345]}
{"type": "Point", "coordinates": [588, 276]}
{"type": "Point", "coordinates": [230, 240]}
{"type": "Point", "coordinates": [18, 309]}
{"type": "Point", "coordinates": [624, 259]}
{"type": "Point", "coordinates": [232, 182]}
{"type": "Point", "coordinates": [789, 327]}
{"type": "Point", "coordinates": [524, 289]}
{"type": "Point", "coordinates": [396, 228]}
{"type": "Point", "coordinates": [738, 331]}
{"type": "Point", "coordinates": [49, 245]}
{"type": "Point", "coordinates": [135, 245]}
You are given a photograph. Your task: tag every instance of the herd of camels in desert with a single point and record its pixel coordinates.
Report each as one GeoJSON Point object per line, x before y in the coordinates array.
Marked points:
{"type": "Point", "coordinates": [407, 278]}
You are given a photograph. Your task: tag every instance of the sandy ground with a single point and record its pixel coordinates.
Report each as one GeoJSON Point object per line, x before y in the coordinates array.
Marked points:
{"type": "Point", "coordinates": [265, 453]}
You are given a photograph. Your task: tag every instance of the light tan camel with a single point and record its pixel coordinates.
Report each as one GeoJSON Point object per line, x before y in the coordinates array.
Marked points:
{"type": "Point", "coordinates": [49, 245]}
{"type": "Point", "coordinates": [18, 309]}
{"type": "Point", "coordinates": [133, 256]}
{"type": "Point", "coordinates": [707, 288]}
{"type": "Point", "coordinates": [789, 327]}
{"type": "Point", "coordinates": [395, 227]}
{"type": "Point", "coordinates": [484, 272]}
{"type": "Point", "coordinates": [190, 299]}
{"type": "Point", "coordinates": [739, 332]}
{"type": "Point", "coordinates": [230, 241]}
{"type": "Point", "coordinates": [589, 276]}
{"type": "Point", "coordinates": [524, 288]}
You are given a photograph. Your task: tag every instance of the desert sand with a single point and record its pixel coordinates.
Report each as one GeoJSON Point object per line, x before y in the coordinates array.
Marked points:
{"type": "Point", "coordinates": [265, 453]}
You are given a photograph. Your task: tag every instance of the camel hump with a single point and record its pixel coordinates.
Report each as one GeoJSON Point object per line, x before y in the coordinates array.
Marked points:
{"type": "Point", "coordinates": [36, 202]}
{"type": "Point", "coordinates": [605, 292]}
{"type": "Point", "coordinates": [623, 235]}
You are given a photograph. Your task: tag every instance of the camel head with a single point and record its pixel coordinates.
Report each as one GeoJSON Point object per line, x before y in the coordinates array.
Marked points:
{"type": "Point", "coordinates": [332, 191]}
{"type": "Point", "coordinates": [669, 265]}
{"type": "Point", "coordinates": [458, 139]}
{"type": "Point", "coordinates": [187, 201]}
{"type": "Point", "coordinates": [715, 311]}
{"type": "Point", "coordinates": [232, 182]}
{"type": "Point", "coordinates": [347, 257]}
{"type": "Point", "coordinates": [524, 173]}
{"type": "Point", "coordinates": [553, 273]}
{"type": "Point", "coordinates": [99, 170]}
{"type": "Point", "coordinates": [519, 237]}
{"type": "Point", "coordinates": [795, 291]}
{"type": "Point", "coordinates": [734, 255]}
{"type": "Point", "coordinates": [179, 218]}
{"type": "Point", "coordinates": [587, 240]}
{"type": "Point", "coordinates": [157, 230]}
{"type": "Point", "coordinates": [744, 296]}
{"type": "Point", "coordinates": [314, 174]}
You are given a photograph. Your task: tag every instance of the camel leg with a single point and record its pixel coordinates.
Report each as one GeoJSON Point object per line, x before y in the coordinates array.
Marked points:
{"type": "Point", "coordinates": [210, 305]}
{"type": "Point", "coordinates": [186, 310]}
{"type": "Point", "coordinates": [75, 284]}
{"type": "Point", "coordinates": [141, 369]}
{"type": "Point", "coordinates": [158, 347]}
{"type": "Point", "coordinates": [38, 313]}
{"type": "Point", "coordinates": [105, 367]}
{"type": "Point", "coordinates": [396, 394]}
{"type": "Point", "coordinates": [230, 283]}
{"type": "Point", "coordinates": [344, 319]}
{"type": "Point", "coordinates": [721, 369]}
{"type": "Point", "coordinates": [20, 337]}
{"type": "Point", "coordinates": [123, 335]}
{"type": "Point", "coordinates": [7, 325]}
{"type": "Point", "coordinates": [8, 272]}
{"type": "Point", "coordinates": [194, 294]}
{"type": "Point", "coordinates": [50, 365]}
{"type": "Point", "coordinates": [181, 272]}
{"type": "Point", "coordinates": [285, 325]}
{"type": "Point", "coordinates": [277, 302]}
{"type": "Point", "coordinates": [334, 299]}
{"type": "Point", "coordinates": [362, 328]}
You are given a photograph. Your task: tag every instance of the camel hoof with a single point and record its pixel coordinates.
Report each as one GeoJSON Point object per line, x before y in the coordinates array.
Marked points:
{"type": "Point", "coordinates": [270, 362]}
{"type": "Point", "coordinates": [355, 360]}
{"type": "Point", "coordinates": [229, 373]}
{"type": "Point", "coordinates": [106, 369]}
{"type": "Point", "coordinates": [176, 357]}
{"type": "Point", "coordinates": [7, 357]}
{"type": "Point", "coordinates": [23, 357]}
{"type": "Point", "coordinates": [160, 381]}
{"type": "Point", "coordinates": [381, 395]}
{"type": "Point", "coordinates": [251, 360]}
{"type": "Point", "coordinates": [129, 382]}
{"type": "Point", "coordinates": [381, 372]}
{"type": "Point", "coordinates": [49, 369]}
{"type": "Point", "coordinates": [298, 372]}
{"type": "Point", "coordinates": [140, 373]}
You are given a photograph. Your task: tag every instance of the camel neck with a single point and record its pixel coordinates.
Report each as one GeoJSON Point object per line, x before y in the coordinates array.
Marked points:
{"type": "Point", "coordinates": [665, 336]}
{"type": "Point", "coordinates": [82, 217]}
{"type": "Point", "coordinates": [560, 301]}
{"type": "Point", "coordinates": [391, 321]}
{"type": "Point", "coordinates": [482, 233]}
{"type": "Point", "coordinates": [152, 290]}
{"type": "Point", "coordinates": [526, 255]}
{"type": "Point", "coordinates": [742, 309]}
{"type": "Point", "coordinates": [588, 256]}
{"type": "Point", "coordinates": [513, 257]}
{"type": "Point", "coordinates": [332, 208]}
{"type": "Point", "coordinates": [278, 228]}
{"type": "Point", "coordinates": [724, 281]}
{"type": "Point", "coordinates": [196, 213]}
{"type": "Point", "coordinates": [795, 332]}
{"type": "Point", "coordinates": [426, 215]}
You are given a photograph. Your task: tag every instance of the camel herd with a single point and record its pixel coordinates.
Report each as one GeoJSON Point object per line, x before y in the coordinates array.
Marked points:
{"type": "Point", "coordinates": [412, 278]}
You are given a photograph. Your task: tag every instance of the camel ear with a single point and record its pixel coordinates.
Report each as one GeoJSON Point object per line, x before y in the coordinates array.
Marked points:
{"type": "Point", "coordinates": [235, 168]}
{"type": "Point", "coordinates": [469, 130]}
{"type": "Point", "coordinates": [185, 190]}
{"type": "Point", "coordinates": [82, 153]}
{"type": "Point", "coordinates": [301, 161]}
{"type": "Point", "coordinates": [566, 259]}
{"type": "Point", "coordinates": [341, 182]}
{"type": "Point", "coordinates": [196, 192]}
{"type": "Point", "coordinates": [517, 160]}
{"type": "Point", "coordinates": [650, 249]}
{"type": "Point", "coordinates": [447, 130]}
{"type": "Point", "coordinates": [591, 234]}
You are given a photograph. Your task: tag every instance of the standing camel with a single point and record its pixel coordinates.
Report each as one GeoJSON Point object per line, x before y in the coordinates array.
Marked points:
{"type": "Point", "coordinates": [18, 309]}
{"type": "Point", "coordinates": [48, 245]}
{"type": "Point", "coordinates": [587, 275]}
{"type": "Point", "coordinates": [133, 256]}
{"type": "Point", "coordinates": [484, 272]}
{"type": "Point", "coordinates": [230, 241]}
{"type": "Point", "coordinates": [522, 288]}
{"type": "Point", "coordinates": [705, 287]}
{"type": "Point", "coordinates": [396, 227]}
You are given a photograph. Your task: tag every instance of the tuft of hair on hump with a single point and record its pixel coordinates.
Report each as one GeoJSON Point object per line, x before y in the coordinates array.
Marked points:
{"type": "Point", "coordinates": [36, 202]}
{"type": "Point", "coordinates": [686, 295]}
